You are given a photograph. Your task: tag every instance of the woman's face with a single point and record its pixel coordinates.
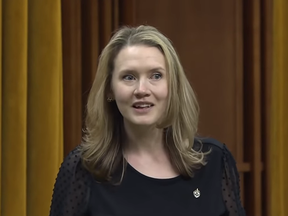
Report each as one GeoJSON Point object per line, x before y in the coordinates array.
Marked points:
{"type": "Point", "coordinates": [139, 84]}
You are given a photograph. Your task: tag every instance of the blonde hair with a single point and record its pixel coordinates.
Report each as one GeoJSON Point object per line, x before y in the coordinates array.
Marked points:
{"type": "Point", "coordinates": [102, 144]}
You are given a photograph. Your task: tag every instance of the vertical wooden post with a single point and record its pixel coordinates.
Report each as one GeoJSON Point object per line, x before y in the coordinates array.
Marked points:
{"type": "Point", "coordinates": [267, 59]}
{"type": "Point", "coordinates": [71, 40]}
{"type": "Point", "coordinates": [252, 105]}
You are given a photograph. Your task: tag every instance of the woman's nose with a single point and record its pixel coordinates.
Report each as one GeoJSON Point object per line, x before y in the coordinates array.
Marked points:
{"type": "Point", "coordinates": [142, 89]}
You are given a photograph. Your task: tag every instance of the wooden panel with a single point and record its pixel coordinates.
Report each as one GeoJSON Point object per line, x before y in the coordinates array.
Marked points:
{"type": "Point", "coordinates": [106, 21]}
{"type": "Point", "coordinates": [239, 125]}
{"type": "Point", "coordinates": [266, 64]}
{"type": "Point", "coordinates": [127, 12]}
{"type": "Point", "coordinates": [115, 15]}
{"type": "Point", "coordinates": [71, 34]}
{"type": "Point", "coordinates": [252, 104]}
{"type": "Point", "coordinates": [90, 46]}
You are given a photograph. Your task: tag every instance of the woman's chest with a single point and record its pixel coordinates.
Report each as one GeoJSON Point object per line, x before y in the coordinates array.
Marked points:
{"type": "Point", "coordinates": [138, 197]}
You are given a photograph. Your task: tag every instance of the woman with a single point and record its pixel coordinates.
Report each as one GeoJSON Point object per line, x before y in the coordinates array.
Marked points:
{"type": "Point", "coordinates": [140, 155]}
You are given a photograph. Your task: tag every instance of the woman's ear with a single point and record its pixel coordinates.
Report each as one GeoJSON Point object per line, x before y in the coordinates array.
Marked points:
{"type": "Point", "coordinates": [110, 97]}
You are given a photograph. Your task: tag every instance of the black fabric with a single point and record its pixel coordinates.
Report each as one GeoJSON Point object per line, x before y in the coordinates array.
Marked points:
{"type": "Point", "coordinates": [72, 188]}
{"type": "Point", "coordinates": [76, 193]}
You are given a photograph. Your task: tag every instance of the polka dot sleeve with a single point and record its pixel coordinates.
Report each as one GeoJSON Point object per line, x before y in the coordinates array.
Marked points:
{"type": "Point", "coordinates": [71, 189]}
{"type": "Point", "coordinates": [230, 185]}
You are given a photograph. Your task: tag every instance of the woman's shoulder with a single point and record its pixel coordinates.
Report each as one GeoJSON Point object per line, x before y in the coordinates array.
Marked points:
{"type": "Point", "coordinates": [72, 160]}
{"type": "Point", "coordinates": [209, 144]}
{"type": "Point", "coordinates": [218, 150]}
{"type": "Point", "coordinates": [72, 168]}
{"type": "Point", "coordinates": [71, 186]}
{"type": "Point", "coordinates": [222, 165]}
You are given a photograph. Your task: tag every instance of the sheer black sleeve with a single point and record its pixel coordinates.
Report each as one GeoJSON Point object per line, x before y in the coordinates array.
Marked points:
{"type": "Point", "coordinates": [230, 185]}
{"type": "Point", "coordinates": [71, 189]}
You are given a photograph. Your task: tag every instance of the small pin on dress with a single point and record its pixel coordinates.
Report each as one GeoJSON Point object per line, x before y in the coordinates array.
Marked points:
{"type": "Point", "coordinates": [196, 193]}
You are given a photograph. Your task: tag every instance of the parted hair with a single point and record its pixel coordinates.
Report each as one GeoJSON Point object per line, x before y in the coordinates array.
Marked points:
{"type": "Point", "coordinates": [103, 138]}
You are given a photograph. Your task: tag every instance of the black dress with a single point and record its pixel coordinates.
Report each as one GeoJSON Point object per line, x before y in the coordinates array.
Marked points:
{"type": "Point", "coordinates": [214, 191]}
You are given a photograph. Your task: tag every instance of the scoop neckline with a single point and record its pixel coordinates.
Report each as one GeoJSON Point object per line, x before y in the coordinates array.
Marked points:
{"type": "Point", "coordinates": [149, 178]}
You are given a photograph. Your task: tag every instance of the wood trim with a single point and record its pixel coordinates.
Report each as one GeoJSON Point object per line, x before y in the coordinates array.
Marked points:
{"type": "Point", "coordinates": [239, 90]}
{"type": "Point", "coordinates": [71, 48]}
{"type": "Point", "coordinates": [252, 108]}
{"type": "Point", "coordinates": [116, 14]}
{"type": "Point", "coordinates": [239, 78]}
{"type": "Point", "coordinates": [256, 162]}
{"type": "Point", "coordinates": [127, 12]}
{"type": "Point", "coordinates": [105, 21]}
{"type": "Point", "coordinates": [90, 47]}
{"type": "Point", "coordinates": [246, 167]}
{"type": "Point", "coordinates": [267, 67]}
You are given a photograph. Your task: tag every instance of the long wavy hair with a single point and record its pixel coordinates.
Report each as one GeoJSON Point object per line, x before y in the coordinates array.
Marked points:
{"type": "Point", "coordinates": [102, 143]}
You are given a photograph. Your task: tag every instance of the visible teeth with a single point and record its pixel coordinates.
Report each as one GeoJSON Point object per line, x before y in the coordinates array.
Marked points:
{"type": "Point", "coordinates": [143, 105]}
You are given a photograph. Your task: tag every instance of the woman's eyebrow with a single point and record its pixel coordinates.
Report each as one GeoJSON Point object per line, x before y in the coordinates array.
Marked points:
{"type": "Point", "coordinates": [135, 71]}
{"type": "Point", "coordinates": [157, 69]}
{"type": "Point", "coordinates": [127, 71]}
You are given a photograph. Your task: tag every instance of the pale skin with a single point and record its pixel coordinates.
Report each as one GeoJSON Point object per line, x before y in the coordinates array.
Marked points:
{"type": "Point", "coordinates": [140, 79]}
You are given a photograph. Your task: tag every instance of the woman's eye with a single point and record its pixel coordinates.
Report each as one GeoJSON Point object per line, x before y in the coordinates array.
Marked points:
{"type": "Point", "coordinates": [157, 76]}
{"type": "Point", "coordinates": [128, 77]}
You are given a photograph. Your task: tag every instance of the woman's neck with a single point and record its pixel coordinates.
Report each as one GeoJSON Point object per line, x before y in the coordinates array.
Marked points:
{"type": "Point", "coordinates": [143, 139]}
{"type": "Point", "coordinates": [145, 151]}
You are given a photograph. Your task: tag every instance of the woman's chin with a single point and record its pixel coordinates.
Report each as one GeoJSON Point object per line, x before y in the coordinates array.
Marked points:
{"type": "Point", "coordinates": [142, 123]}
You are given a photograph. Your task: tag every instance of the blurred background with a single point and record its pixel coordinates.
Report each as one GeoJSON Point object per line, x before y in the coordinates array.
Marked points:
{"type": "Point", "coordinates": [234, 52]}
